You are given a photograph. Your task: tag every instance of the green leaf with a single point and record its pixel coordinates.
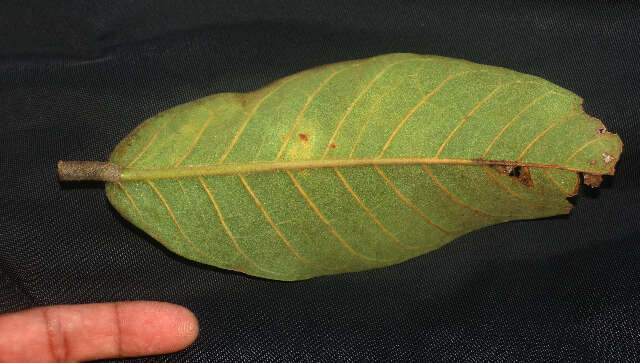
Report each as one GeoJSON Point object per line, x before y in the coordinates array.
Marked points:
{"type": "Point", "coordinates": [356, 165]}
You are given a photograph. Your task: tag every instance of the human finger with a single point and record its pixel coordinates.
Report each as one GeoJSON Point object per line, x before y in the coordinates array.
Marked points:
{"type": "Point", "coordinates": [66, 333]}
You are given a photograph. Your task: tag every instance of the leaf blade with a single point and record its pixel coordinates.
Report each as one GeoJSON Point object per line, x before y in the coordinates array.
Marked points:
{"type": "Point", "coordinates": [355, 165]}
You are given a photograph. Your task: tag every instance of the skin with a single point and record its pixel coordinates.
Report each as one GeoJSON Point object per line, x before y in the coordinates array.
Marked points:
{"type": "Point", "coordinates": [72, 333]}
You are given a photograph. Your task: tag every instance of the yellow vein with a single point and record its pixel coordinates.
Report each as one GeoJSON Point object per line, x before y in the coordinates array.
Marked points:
{"type": "Point", "coordinates": [184, 195]}
{"type": "Point", "coordinates": [325, 221]}
{"type": "Point", "coordinates": [149, 230]}
{"type": "Point", "coordinates": [228, 231]}
{"type": "Point", "coordinates": [175, 221]}
{"type": "Point", "coordinates": [134, 134]}
{"type": "Point", "coordinates": [508, 190]}
{"type": "Point", "coordinates": [407, 201]}
{"type": "Point", "coordinates": [582, 148]}
{"type": "Point", "coordinates": [235, 139]}
{"type": "Point", "coordinates": [544, 132]}
{"type": "Point", "coordinates": [368, 117]}
{"type": "Point", "coordinates": [416, 107]}
{"type": "Point", "coordinates": [356, 100]}
{"type": "Point", "coordinates": [304, 109]}
{"type": "Point", "coordinates": [260, 149]}
{"type": "Point", "coordinates": [474, 185]}
{"type": "Point", "coordinates": [275, 228]}
{"type": "Point", "coordinates": [153, 139]}
{"type": "Point", "coordinates": [468, 115]}
{"type": "Point", "coordinates": [370, 214]}
{"type": "Point", "coordinates": [553, 180]}
{"type": "Point", "coordinates": [451, 196]}
{"type": "Point", "coordinates": [198, 136]}
{"type": "Point", "coordinates": [414, 76]}
{"type": "Point", "coordinates": [517, 116]}
{"type": "Point", "coordinates": [190, 171]}
{"type": "Point", "coordinates": [133, 203]}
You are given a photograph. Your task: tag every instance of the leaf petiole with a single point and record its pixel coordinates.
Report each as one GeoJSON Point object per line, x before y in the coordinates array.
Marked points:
{"type": "Point", "coordinates": [89, 170]}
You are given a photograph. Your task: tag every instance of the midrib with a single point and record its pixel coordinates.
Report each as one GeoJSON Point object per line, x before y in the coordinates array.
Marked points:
{"type": "Point", "coordinates": [178, 172]}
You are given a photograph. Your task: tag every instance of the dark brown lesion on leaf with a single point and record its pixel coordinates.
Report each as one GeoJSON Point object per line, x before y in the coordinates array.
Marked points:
{"type": "Point", "coordinates": [521, 173]}
{"type": "Point", "coordinates": [303, 137]}
{"type": "Point", "coordinates": [333, 146]}
{"type": "Point", "coordinates": [592, 180]}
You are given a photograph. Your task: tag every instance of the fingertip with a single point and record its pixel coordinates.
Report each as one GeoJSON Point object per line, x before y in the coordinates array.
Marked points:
{"type": "Point", "coordinates": [150, 327]}
{"type": "Point", "coordinates": [189, 328]}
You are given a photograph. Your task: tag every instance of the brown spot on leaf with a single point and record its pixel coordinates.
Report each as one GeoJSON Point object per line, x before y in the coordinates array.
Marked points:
{"type": "Point", "coordinates": [303, 137]}
{"type": "Point", "coordinates": [504, 169]}
{"type": "Point", "coordinates": [592, 180]}
{"type": "Point", "coordinates": [333, 146]}
{"type": "Point", "coordinates": [601, 131]}
{"type": "Point", "coordinates": [524, 176]}
{"type": "Point", "coordinates": [520, 173]}
{"type": "Point", "coordinates": [592, 162]}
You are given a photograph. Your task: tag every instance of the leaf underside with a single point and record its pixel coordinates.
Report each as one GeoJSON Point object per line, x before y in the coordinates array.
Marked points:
{"type": "Point", "coordinates": [356, 165]}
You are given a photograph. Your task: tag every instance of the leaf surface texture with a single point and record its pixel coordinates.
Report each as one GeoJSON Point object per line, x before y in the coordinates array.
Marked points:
{"type": "Point", "coordinates": [356, 165]}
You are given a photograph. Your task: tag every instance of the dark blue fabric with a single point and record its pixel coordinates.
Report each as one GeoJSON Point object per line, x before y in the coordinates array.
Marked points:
{"type": "Point", "coordinates": [78, 76]}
